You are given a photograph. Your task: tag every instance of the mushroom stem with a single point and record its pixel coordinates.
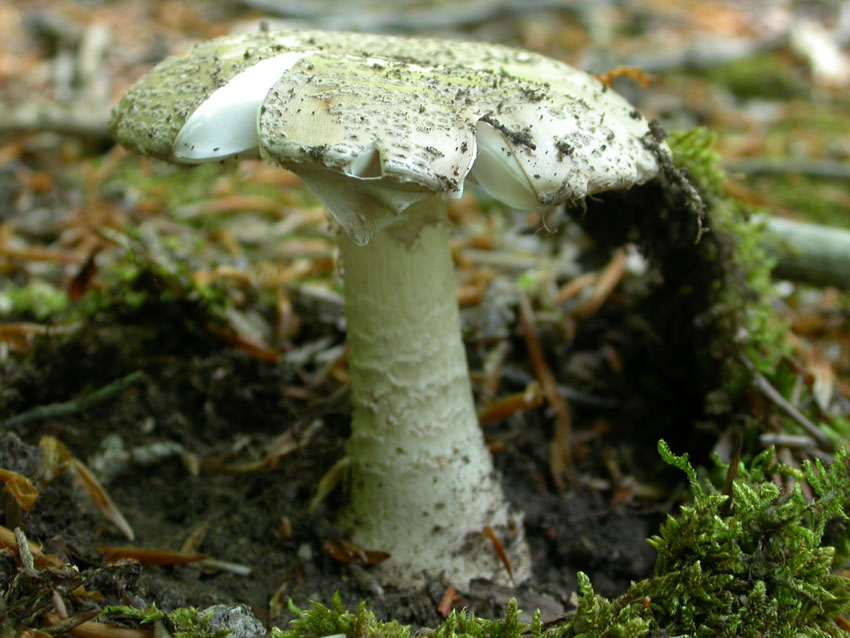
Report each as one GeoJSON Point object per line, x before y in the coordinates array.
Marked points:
{"type": "Point", "coordinates": [423, 485]}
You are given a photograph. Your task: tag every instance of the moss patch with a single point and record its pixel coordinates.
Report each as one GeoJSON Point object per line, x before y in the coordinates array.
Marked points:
{"type": "Point", "coordinates": [746, 561]}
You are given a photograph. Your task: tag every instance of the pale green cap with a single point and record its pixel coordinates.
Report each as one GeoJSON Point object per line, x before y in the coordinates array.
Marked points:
{"type": "Point", "coordinates": [377, 122]}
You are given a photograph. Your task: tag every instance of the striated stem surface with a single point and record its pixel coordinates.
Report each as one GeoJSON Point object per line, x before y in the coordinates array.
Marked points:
{"type": "Point", "coordinates": [423, 486]}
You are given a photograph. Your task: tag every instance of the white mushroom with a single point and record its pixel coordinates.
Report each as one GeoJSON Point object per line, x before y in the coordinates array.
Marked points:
{"type": "Point", "coordinates": [384, 130]}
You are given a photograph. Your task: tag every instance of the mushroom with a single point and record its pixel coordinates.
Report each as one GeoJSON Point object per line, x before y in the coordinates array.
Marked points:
{"type": "Point", "coordinates": [385, 130]}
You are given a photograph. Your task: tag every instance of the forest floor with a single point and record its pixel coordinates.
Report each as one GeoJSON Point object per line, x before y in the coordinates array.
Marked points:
{"type": "Point", "coordinates": [180, 332]}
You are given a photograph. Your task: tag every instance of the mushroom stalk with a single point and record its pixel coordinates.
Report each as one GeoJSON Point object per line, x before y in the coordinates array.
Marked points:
{"type": "Point", "coordinates": [423, 486]}
{"type": "Point", "coordinates": [383, 129]}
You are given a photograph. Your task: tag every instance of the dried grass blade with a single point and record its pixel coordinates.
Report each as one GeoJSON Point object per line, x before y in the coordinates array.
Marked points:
{"type": "Point", "coordinates": [499, 549]}
{"type": "Point", "coordinates": [100, 498]}
{"type": "Point", "coordinates": [560, 449]}
{"type": "Point", "coordinates": [147, 556]}
{"type": "Point", "coordinates": [20, 488]}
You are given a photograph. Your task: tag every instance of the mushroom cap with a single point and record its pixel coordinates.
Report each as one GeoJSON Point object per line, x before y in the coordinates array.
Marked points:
{"type": "Point", "coordinates": [379, 122]}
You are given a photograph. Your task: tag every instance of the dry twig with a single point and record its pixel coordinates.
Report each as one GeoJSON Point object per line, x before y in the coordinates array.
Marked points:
{"type": "Point", "coordinates": [560, 451]}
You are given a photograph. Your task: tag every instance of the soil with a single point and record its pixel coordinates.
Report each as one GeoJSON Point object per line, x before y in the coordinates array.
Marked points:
{"type": "Point", "coordinates": [223, 406]}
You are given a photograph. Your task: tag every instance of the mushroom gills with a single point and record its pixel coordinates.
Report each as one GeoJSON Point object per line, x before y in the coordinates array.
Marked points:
{"type": "Point", "coordinates": [367, 163]}
{"type": "Point", "coordinates": [498, 170]}
{"type": "Point", "coordinates": [225, 124]}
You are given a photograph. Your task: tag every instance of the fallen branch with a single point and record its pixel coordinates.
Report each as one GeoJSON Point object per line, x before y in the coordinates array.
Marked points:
{"type": "Point", "coordinates": [73, 120]}
{"type": "Point", "coordinates": [706, 53]}
{"type": "Point", "coordinates": [380, 16]}
{"type": "Point", "coordinates": [74, 406]}
{"type": "Point", "coordinates": [84, 83]}
{"type": "Point", "coordinates": [807, 252]}
{"type": "Point", "coordinates": [764, 386]}
{"type": "Point", "coordinates": [829, 169]}
{"type": "Point", "coordinates": [797, 441]}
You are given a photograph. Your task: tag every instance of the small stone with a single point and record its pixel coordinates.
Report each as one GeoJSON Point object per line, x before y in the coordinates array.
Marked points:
{"type": "Point", "coordinates": [305, 552]}
{"type": "Point", "coordinates": [238, 619]}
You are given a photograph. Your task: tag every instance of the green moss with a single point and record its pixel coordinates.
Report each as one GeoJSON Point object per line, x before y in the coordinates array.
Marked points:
{"type": "Point", "coordinates": [188, 622]}
{"type": "Point", "coordinates": [756, 566]}
{"type": "Point", "coordinates": [754, 329]}
{"type": "Point", "coordinates": [694, 151]}
{"type": "Point", "coordinates": [597, 617]}
{"type": "Point", "coordinates": [38, 300]}
{"type": "Point", "coordinates": [743, 285]}
{"type": "Point", "coordinates": [799, 132]}
{"type": "Point", "coordinates": [183, 622]}
{"type": "Point", "coordinates": [143, 616]}
{"type": "Point", "coordinates": [335, 620]}
{"type": "Point", "coordinates": [817, 124]}
{"type": "Point", "coordinates": [461, 624]}
{"type": "Point", "coordinates": [820, 200]}
{"type": "Point", "coordinates": [169, 186]}
{"type": "Point", "coordinates": [139, 284]}
{"type": "Point", "coordinates": [182, 192]}
{"type": "Point", "coordinates": [766, 76]}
